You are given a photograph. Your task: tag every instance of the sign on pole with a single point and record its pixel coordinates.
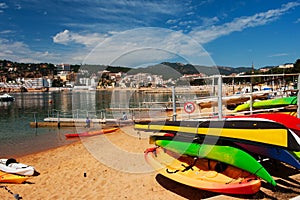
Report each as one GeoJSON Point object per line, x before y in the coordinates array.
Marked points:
{"type": "Point", "coordinates": [189, 107]}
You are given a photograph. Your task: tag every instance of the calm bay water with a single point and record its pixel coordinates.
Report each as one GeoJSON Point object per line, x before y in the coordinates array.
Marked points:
{"type": "Point", "coordinates": [17, 138]}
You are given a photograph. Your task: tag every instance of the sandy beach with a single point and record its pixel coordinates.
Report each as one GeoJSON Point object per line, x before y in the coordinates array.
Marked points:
{"type": "Point", "coordinates": [112, 166]}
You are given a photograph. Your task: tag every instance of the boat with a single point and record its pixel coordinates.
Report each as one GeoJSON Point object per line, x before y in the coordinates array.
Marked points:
{"type": "Point", "coordinates": [12, 178]}
{"type": "Point", "coordinates": [202, 173]}
{"type": "Point", "coordinates": [225, 154]}
{"type": "Point", "coordinates": [91, 133]}
{"type": "Point", "coordinates": [287, 120]}
{"type": "Point", "coordinates": [12, 166]}
{"type": "Point", "coordinates": [6, 98]}
{"type": "Point", "coordinates": [232, 101]}
{"type": "Point", "coordinates": [246, 130]}
{"type": "Point", "coordinates": [270, 103]}
{"type": "Point", "coordinates": [272, 152]}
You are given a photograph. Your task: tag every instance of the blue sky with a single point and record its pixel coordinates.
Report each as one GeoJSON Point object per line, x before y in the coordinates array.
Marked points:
{"type": "Point", "coordinates": [135, 33]}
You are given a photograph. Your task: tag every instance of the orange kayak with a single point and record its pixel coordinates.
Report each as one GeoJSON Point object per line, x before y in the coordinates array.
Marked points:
{"type": "Point", "coordinates": [202, 173]}
{"type": "Point", "coordinates": [91, 133]}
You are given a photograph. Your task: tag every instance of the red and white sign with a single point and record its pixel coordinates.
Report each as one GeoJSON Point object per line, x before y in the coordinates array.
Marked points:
{"type": "Point", "coordinates": [189, 107]}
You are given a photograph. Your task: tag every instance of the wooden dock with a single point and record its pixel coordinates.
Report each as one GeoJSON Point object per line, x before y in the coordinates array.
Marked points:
{"type": "Point", "coordinates": [78, 122]}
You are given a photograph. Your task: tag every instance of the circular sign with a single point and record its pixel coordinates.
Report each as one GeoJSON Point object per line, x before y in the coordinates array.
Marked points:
{"type": "Point", "coordinates": [189, 107]}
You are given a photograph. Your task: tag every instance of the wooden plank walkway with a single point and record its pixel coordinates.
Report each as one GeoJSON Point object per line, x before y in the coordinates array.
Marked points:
{"type": "Point", "coordinates": [77, 122]}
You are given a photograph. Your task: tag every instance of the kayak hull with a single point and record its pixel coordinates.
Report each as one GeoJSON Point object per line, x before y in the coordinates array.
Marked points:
{"type": "Point", "coordinates": [16, 168]}
{"type": "Point", "coordinates": [270, 103]}
{"type": "Point", "coordinates": [226, 154]}
{"type": "Point", "coordinates": [287, 120]}
{"type": "Point", "coordinates": [91, 133]}
{"type": "Point", "coordinates": [201, 173]}
{"type": "Point", "coordinates": [12, 178]}
{"type": "Point", "coordinates": [274, 153]}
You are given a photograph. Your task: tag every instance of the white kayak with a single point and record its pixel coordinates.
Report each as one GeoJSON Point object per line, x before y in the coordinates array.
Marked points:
{"type": "Point", "coordinates": [13, 167]}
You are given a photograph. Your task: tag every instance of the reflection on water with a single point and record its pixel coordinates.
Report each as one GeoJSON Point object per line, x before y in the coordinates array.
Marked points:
{"type": "Point", "coordinates": [18, 138]}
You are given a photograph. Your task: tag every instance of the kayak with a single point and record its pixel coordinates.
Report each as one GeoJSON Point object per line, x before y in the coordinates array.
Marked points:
{"type": "Point", "coordinates": [247, 130]}
{"type": "Point", "coordinates": [287, 120]}
{"type": "Point", "coordinates": [14, 167]}
{"type": "Point", "coordinates": [91, 133]}
{"type": "Point", "coordinates": [202, 173]}
{"type": "Point", "coordinates": [230, 101]}
{"type": "Point", "coordinates": [226, 154]}
{"type": "Point", "coordinates": [272, 152]}
{"type": "Point", "coordinates": [12, 178]}
{"type": "Point", "coordinates": [296, 154]}
{"type": "Point", "coordinates": [270, 103]}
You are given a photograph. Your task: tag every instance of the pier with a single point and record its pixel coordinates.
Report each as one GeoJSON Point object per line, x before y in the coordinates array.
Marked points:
{"type": "Point", "coordinates": [70, 122]}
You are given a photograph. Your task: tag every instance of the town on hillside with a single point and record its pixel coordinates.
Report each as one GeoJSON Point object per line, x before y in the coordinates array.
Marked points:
{"type": "Point", "coordinates": [26, 77]}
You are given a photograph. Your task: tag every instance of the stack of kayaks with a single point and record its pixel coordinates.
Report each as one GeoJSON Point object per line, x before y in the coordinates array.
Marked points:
{"type": "Point", "coordinates": [12, 171]}
{"type": "Point", "coordinates": [252, 130]}
{"type": "Point", "coordinates": [91, 133]}
{"type": "Point", "coordinates": [238, 142]}
{"type": "Point", "coordinates": [222, 153]}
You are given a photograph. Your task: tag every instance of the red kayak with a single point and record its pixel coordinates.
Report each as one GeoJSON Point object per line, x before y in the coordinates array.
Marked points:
{"type": "Point", "coordinates": [287, 120]}
{"type": "Point", "coordinates": [91, 133]}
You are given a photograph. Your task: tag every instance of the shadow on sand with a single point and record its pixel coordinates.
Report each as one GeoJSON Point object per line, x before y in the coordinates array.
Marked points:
{"type": "Point", "coordinates": [287, 187]}
{"type": "Point", "coordinates": [194, 193]}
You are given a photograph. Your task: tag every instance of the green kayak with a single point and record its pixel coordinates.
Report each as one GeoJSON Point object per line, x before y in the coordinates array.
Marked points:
{"type": "Point", "coordinates": [226, 154]}
{"type": "Point", "coordinates": [296, 154]}
{"type": "Point", "coordinates": [270, 103]}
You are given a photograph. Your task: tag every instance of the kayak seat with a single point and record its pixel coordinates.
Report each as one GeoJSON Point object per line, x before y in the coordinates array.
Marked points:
{"type": "Point", "coordinates": [220, 167]}
{"type": "Point", "coordinates": [10, 160]}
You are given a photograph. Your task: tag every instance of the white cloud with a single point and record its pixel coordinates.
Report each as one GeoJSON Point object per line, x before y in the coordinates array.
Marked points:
{"type": "Point", "coordinates": [120, 14]}
{"type": "Point", "coordinates": [148, 45]}
{"type": "Point", "coordinates": [278, 55]}
{"type": "Point", "coordinates": [209, 21]}
{"type": "Point", "coordinates": [20, 52]}
{"type": "Point", "coordinates": [4, 32]}
{"type": "Point", "coordinates": [3, 5]}
{"type": "Point", "coordinates": [62, 37]}
{"type": "Point", "coordinates": [18, 7]}
{"type": "Point", "coordinates": [171, 21]}
{"type": "Point", "coordinates": [297, 21]}
{"type": "Point", "coordinates": [239, 24]}
{"type": "Point", "coordinates": [88, 40]}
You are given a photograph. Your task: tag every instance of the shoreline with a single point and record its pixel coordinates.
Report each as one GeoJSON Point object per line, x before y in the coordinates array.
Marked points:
{"type": "Point", "coordinates": [77, 171]}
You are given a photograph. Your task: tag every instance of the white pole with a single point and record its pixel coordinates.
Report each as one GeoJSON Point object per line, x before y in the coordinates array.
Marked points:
{"type": "Point", "coordinates": [251, 90]}
{"type": "Point", "coordinates": [251, 97]}
{"type": "Point", "coordinates": [174, 103]}
{"type": "Point", "coordinates": [298, 96]}
{"type": "Point", "coordinates": [220, 97]}
{"type": "Point", "coordinates": [213, 92]}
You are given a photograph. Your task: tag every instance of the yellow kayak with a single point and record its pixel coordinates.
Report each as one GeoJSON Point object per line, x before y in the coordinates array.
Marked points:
{"type": "Point", "coordinates": [202, 173]}
{"type": "Point", "coordinates": [11, 178]}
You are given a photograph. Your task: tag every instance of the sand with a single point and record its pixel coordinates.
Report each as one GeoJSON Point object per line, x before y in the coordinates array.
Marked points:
{"type": "Point", "coordinates": [91, 169]}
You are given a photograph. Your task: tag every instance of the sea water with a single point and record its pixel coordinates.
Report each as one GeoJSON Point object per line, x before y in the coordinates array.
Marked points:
{"type": "Point", "coordinates": [17, 138]}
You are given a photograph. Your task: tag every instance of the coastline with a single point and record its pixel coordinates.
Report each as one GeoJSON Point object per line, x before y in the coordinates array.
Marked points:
{"type": "Point", "coordinates": [74, 171]}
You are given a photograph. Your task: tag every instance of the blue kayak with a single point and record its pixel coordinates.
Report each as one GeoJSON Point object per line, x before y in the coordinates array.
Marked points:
{"type": "Point", "coordinates": [272, 152]}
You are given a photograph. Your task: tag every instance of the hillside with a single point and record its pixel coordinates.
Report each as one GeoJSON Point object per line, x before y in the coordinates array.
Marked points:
{"type": "Point", "coordinates": [176, 70]}
{"type": "Point", "coordinates": [11, 70]}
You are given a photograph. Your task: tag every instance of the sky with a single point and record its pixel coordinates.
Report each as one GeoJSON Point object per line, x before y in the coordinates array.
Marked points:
{"type": "Point", "coordinates": [135, 33]}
